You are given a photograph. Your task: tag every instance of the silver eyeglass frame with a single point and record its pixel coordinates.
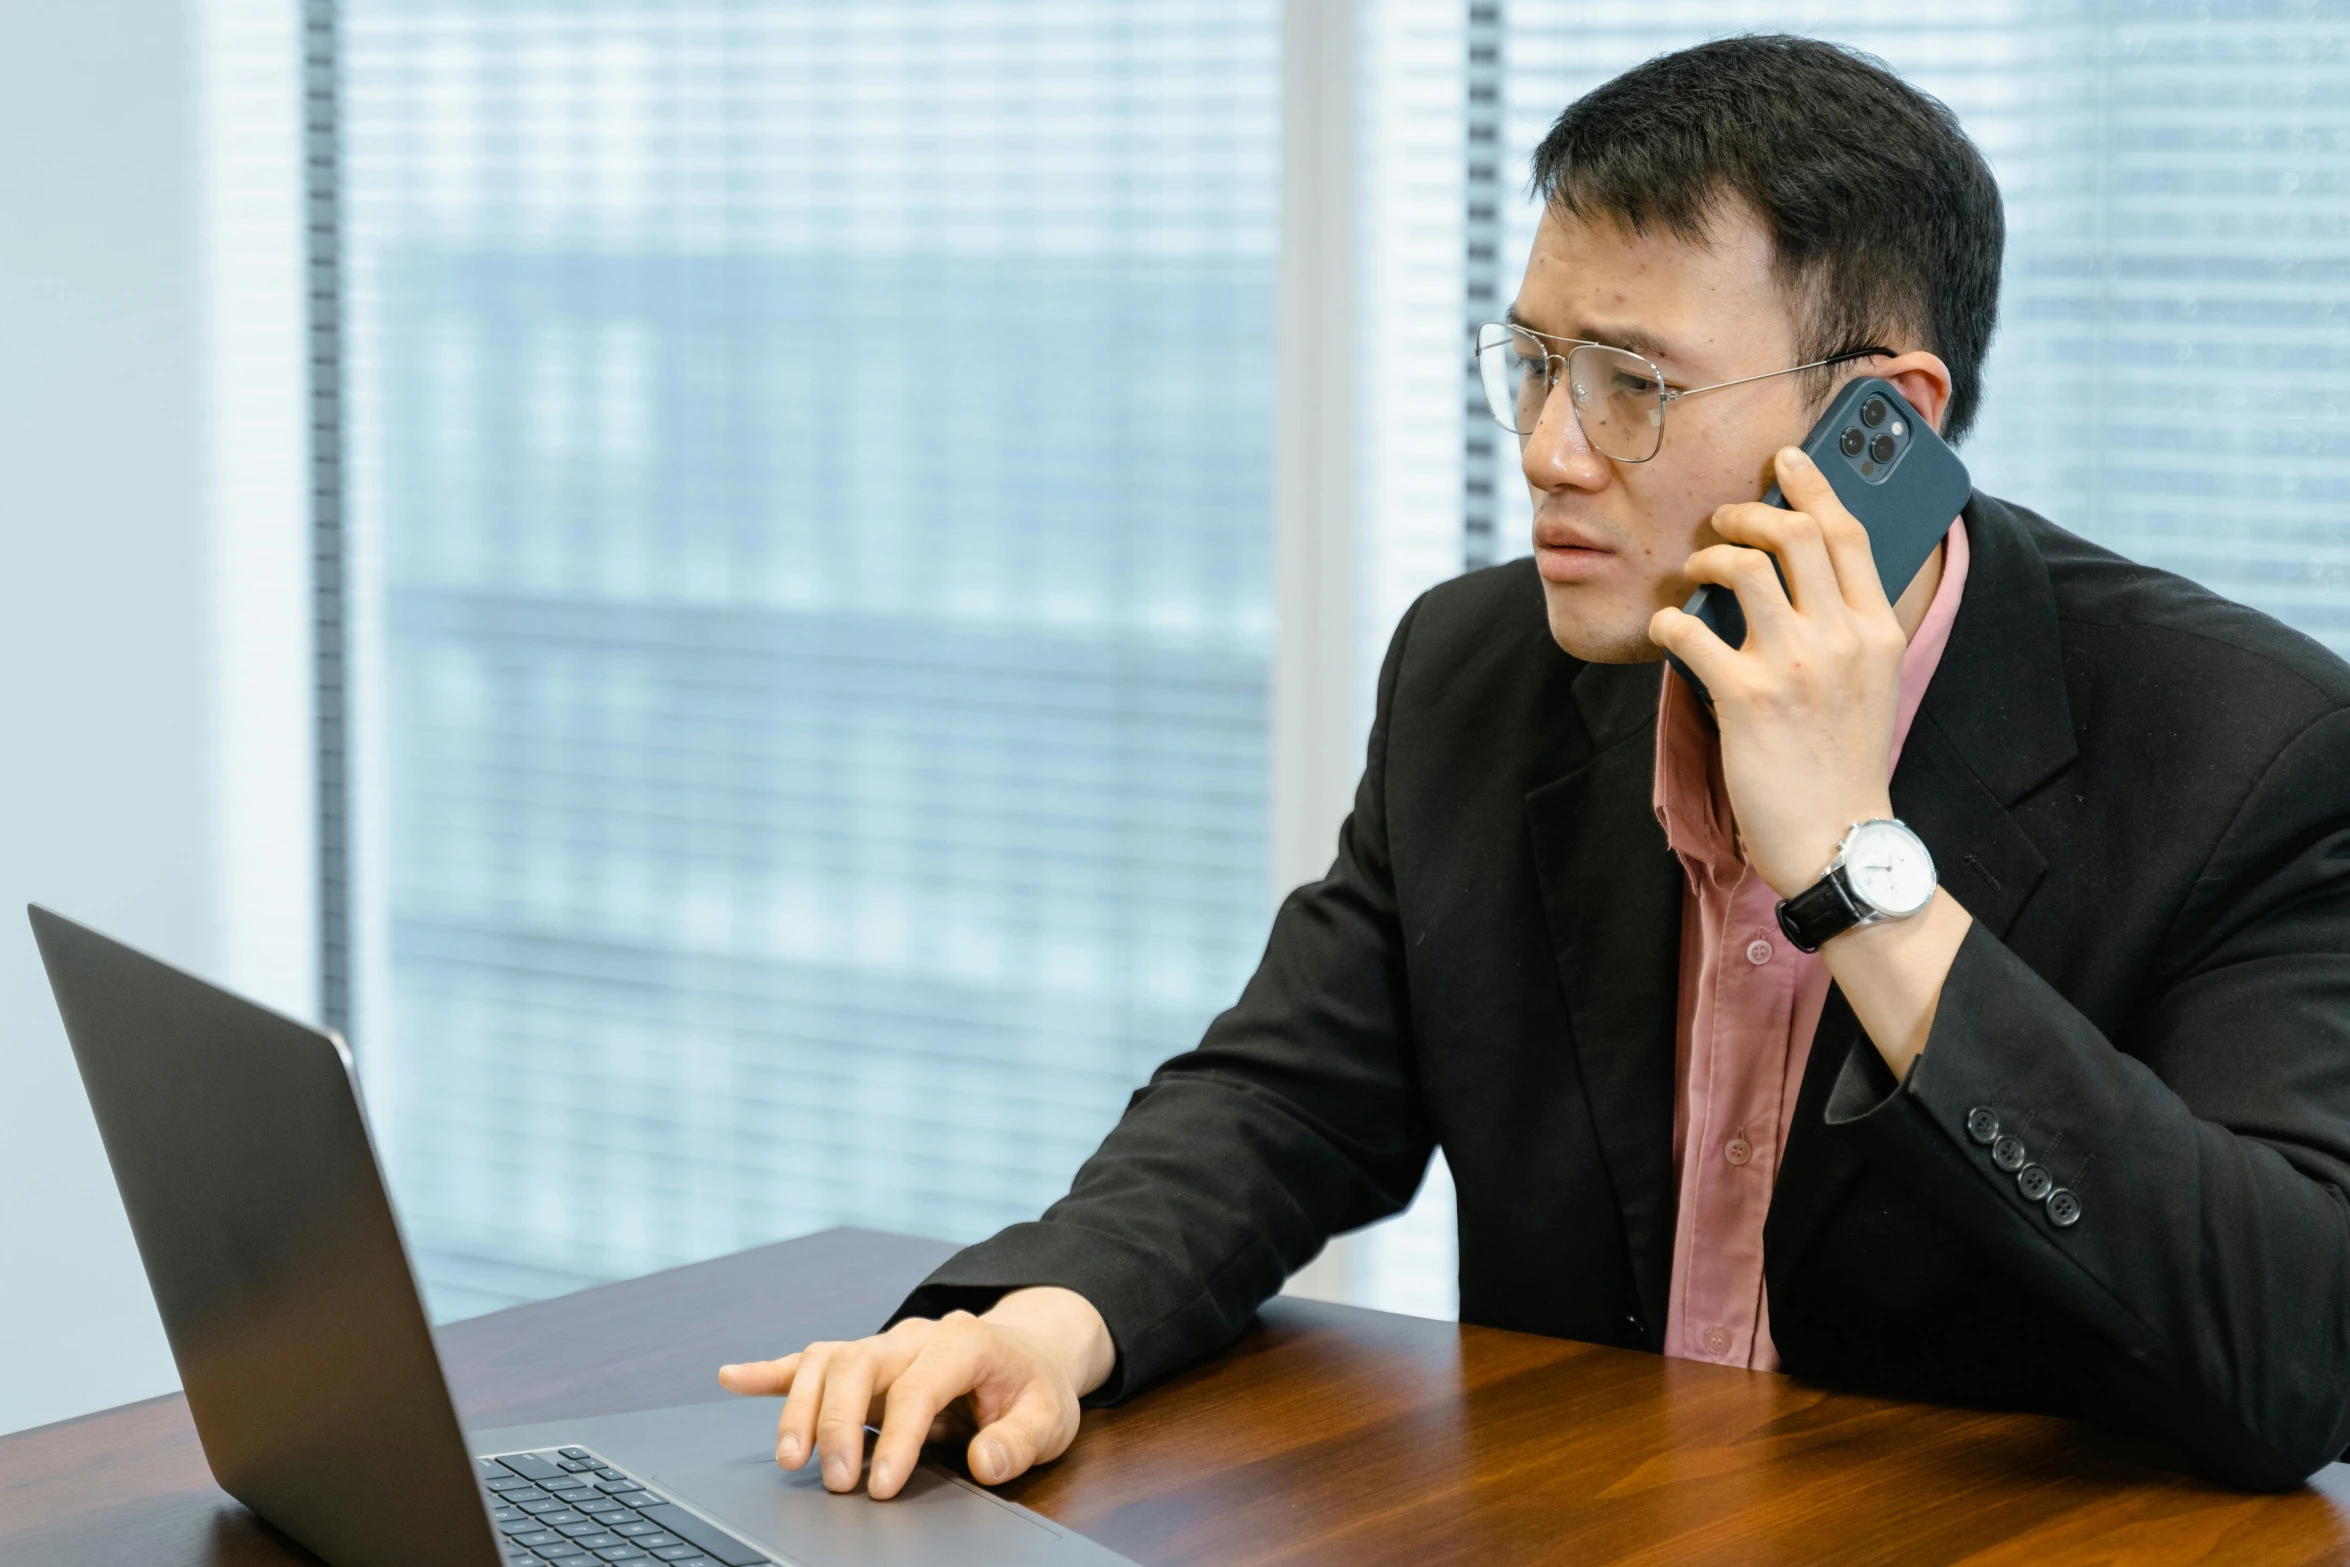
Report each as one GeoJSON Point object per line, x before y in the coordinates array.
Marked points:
{"type": "Point", "coordinates": [1666, 395]}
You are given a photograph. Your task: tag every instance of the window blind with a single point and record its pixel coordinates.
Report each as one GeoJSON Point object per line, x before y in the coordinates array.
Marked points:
{"type": "Point", "coordinates": [809, 470]}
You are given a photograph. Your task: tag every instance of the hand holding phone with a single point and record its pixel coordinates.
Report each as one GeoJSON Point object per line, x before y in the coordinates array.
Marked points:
{"type": "Point", "coordinates": [1893, 472]}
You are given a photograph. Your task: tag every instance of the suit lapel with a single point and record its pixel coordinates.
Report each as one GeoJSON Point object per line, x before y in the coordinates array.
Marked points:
{"type": "Point", "coordinates": [1994, 725]}
{"type": "Point", "coordinates": [1611, 895]}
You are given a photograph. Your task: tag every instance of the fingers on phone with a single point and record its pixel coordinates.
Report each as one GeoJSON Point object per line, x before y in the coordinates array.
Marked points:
{"type": "Point", "coordinates": [1856, 563]}
{"type": "Point", "coordinates": [1843, 538]}
{"type": "Point", "coordinates": [1796, 539]}
{"type": "Point", "coordinates": [1748, 573]}
{"type": "Point", "coordinates": [1800, 479]}
{"type": "Point", "coordinates": [1692, 641]}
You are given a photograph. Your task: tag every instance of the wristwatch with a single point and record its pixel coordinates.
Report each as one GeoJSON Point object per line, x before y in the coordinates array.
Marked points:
{"type": "Point", "coordinates": [1881, 872]}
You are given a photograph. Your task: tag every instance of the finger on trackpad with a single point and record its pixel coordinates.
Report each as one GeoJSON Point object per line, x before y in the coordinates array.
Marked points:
{"type": "Point", "coordinates": [935, 1519]}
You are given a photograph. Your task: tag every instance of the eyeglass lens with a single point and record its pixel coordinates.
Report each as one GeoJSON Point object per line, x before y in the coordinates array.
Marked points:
{"type": "Point", "coordinates": [1616, 395]}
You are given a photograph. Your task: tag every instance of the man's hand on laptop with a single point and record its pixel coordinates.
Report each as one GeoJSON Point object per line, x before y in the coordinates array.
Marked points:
{"type": "Point", "coordinates": [1011, 1377]}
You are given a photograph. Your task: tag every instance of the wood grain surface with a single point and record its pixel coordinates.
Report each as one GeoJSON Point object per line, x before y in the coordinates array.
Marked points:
{"type": "Point", "coordinates": [1327, 1434]}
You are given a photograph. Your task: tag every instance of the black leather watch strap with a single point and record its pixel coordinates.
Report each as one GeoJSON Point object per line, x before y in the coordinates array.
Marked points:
{"type": "Point", "coordinates": [1820, 912]}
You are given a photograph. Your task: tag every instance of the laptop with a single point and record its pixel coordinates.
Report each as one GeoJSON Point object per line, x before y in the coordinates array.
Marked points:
{"type": "Point", "coordinates": [238, 1141]}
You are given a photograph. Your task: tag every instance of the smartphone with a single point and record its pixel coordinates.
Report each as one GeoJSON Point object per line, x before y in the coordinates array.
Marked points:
{"type": "Point", "coordinates": [1891, 470]}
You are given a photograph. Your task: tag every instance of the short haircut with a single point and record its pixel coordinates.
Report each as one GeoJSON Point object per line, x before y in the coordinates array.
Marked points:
{"type": "Point", "coordinates": [1883, 216]}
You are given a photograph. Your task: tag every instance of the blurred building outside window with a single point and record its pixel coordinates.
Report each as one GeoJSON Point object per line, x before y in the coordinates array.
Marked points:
{"type": "Point", "coordinates": [809, 480]}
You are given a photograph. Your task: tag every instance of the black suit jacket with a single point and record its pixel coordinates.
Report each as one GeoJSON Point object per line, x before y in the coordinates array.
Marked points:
{"type": "Point", "coordinates": [2142, 793]}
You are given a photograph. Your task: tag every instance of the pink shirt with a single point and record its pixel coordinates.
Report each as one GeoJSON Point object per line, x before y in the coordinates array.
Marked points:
{"type": "Point", "coordinates": [1748, 1007]}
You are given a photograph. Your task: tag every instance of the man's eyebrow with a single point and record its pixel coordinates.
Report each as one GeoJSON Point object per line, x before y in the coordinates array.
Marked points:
{"type": "Point", "coordinates": [1638, 342]}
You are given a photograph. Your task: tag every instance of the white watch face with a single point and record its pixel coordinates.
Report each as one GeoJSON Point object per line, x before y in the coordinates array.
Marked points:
{"type": "Point", "coordinates": [1889, 868]}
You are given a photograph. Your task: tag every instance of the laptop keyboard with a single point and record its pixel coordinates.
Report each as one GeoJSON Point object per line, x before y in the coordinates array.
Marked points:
{"type": "Point", "coordinates": [569, 1507]}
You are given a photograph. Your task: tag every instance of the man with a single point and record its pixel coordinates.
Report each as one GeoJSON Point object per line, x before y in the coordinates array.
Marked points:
{"type": "Point", "coordinates": [2068, 1130]}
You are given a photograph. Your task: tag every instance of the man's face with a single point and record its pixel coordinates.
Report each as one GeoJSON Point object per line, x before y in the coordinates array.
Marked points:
{"type": "Point", "coordinates": [1610, 537]}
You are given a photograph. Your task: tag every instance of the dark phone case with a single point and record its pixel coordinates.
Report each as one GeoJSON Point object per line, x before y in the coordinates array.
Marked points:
{"type": "Point", "coordinates": [1906, 509]}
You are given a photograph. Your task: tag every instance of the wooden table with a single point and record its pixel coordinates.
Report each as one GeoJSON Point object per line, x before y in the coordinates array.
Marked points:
{"type": "Point", "coordinates": [1326, 1435]}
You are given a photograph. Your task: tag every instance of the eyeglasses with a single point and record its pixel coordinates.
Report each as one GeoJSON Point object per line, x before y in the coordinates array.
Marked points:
{"type": "Point", "coordinates": [1619, 398]}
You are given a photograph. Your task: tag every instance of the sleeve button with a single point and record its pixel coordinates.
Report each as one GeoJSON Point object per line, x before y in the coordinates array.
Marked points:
{"type": "Point", "coordinates": [2064, 1209]}
{"type": "Point", "coordinates": [1981, 1124]}
{"type": "Point", "coordinates": [2035, 1181]}
{"type": "Point", "coordinates": [2008, 1154]}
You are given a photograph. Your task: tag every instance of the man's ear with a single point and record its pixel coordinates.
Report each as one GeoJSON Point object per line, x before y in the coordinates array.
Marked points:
{"type": "Point", "coordinates": [1919, 376]}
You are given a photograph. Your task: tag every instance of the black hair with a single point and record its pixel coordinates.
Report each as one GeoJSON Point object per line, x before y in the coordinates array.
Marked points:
{"type": "Point", "coordinates": [1882, 215]}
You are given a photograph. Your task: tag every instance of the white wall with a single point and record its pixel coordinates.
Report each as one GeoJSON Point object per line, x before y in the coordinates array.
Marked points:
{"type": "Point", "coordinates": [153, 677]}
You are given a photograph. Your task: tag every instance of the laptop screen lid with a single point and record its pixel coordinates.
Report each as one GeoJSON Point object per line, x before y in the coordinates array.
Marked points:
{"type": "Point", "coordinates": [243, 1159]}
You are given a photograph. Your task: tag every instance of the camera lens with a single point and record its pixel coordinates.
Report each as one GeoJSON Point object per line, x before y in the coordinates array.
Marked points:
{"type": "Point", "coordinates": [1872, 412]}
{"type": "Point", "coordinates": [1852, 442]}
{"type": "Point", "coordinates": [1882, 448]}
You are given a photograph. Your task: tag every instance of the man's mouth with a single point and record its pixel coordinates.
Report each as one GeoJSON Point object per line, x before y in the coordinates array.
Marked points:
{"type": "Point", "coordinates": [1567, 554]}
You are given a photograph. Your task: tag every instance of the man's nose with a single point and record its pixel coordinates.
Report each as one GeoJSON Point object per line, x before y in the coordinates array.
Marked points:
{"type": "Point", "coordinates": [1556, 455]}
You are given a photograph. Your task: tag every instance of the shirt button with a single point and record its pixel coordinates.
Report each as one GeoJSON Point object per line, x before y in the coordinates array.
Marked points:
{"type": "Point", "coordinates": [1717, 1341]}
{"type": "Point", "coordinates": [1758, 952]}
{"type": "Point", "coordinates": [1738, 1151]}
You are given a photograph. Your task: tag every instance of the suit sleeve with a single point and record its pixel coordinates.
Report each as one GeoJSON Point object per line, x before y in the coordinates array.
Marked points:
{"type": "Point", "coordinates": [1296, 1118]}
{"type": "Point", "coordinates": [2190, 1204]}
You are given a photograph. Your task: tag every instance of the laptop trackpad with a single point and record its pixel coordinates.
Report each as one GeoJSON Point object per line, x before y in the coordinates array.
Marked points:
{"type": "Point", "coordinates": [935, 1519]}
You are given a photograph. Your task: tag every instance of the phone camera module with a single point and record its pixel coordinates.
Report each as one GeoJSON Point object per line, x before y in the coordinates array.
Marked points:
{"type": "Point", "coordinates": [1853, 441]}
{"type": "Point", "coordinates": [1882, 448]}
{"type": "Point", "coordinates": [1873, 412]}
